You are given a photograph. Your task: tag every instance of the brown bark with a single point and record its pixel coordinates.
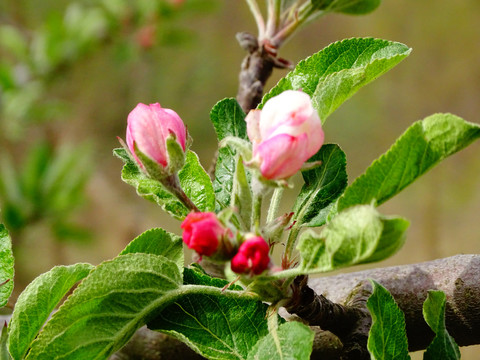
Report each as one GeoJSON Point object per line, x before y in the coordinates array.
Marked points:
{"type": "Point", "coordinates": [457, 276]}
{"type": "Point", "coordinates": [256, 68]}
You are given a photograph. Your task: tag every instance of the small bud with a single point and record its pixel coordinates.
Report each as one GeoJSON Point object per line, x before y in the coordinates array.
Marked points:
{"type": "Point", "coordinates": [252, 257]}
{"type": "Point", "coordinates": [150, 131]}
{"type": "Point", "coordinates": [285, 134]}
{"type": "Point", "coordinates": [203, 232]}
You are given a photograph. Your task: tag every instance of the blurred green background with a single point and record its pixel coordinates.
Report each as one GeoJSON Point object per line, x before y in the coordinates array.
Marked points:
{"type": "Point", "coordinates": [70, 72]}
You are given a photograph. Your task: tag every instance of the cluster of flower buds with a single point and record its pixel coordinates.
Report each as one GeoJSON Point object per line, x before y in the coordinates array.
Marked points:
{"type": "Point", "coordinates": [284, 135]}
{"type": "Point", "coordinates": [204, 233]}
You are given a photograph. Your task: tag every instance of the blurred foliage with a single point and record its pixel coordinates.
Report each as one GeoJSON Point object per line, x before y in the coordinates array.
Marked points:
{"type": "Point", "coordinates": [33, 59]}
{"type": "Point", "coordinates": [48, 187]}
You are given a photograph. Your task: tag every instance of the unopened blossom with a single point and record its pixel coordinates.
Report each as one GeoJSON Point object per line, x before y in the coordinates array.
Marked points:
{"type": "Point", "coordinates": [148, 128]}
{"type": "Point", "coordinates": [284, 134]}
{"type": "Point", "coordinates": [252, 257]}
{"type": "Point", "coordinates": [203, 232]}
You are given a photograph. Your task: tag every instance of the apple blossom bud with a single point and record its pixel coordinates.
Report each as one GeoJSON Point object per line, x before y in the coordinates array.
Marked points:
{"type": "Point", "coordinates": [149, 130]}
{"type": "Point", "coordinates": [284, 134]}
{"type": "Point", "coordinates": [252, 256]}
{"type": "Point", "coordinates": [203, 232]}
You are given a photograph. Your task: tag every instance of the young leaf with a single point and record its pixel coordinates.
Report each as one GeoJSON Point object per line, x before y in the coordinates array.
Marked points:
{"type": "Point", "coordinates": [117, 298]}
{"type": "Point", "coordinates": [228, 119]}
{"type": "Point", "coordinates": [4, 355]}
{"type": "Point", "coordinates": [354, 7]}
{"type": "Point", "coordinates": [36, 303]}
{"type": "Point", "coordinates": [443, 346]}
{"type": "Point", "coordinates": [193, 179]}
{"type": "Point", "coordinates": [215, 325]}
{"type": "Point", "coordinates": [6, 266]}
{"type": "Point", "coordinates": [387, 339]}
{"type": "Point", "coordinates": [356, 236]}
{"type": "Point", "coordinates": [334, 74]}
{"type": "Point", "coordinates": [196, 183]}
{"type": "Point", "coordinates": [158, 242]}
{"type": "Point", "coordinates": [323, 185]}
{"type": "Point", "coordinates": [242, 194]}
{"type": "Point", "coordinates": [422, 146]}
{"type": "Point", "coordinates": [292, 340]}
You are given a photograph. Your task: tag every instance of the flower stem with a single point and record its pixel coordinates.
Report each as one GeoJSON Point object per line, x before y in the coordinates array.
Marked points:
{"type": "Point", "coordinates": [274, 204]}
{"type": "Point", "coordinates": [172, 183]}
{"type": "Point", "coordinates": [257, 15]}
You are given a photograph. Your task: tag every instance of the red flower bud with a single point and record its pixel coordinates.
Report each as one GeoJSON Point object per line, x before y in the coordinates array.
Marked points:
{"type": "Point", "coordinates": [252, 257]}
{"type": "Point", "coordinates": [202, 232]}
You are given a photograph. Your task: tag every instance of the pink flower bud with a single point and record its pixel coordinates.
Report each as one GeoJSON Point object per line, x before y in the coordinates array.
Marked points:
{"type": "Point", "coordinates": [148, 128]}
{"type": "Point", "coordinates": [285, 134]}
{"type": "Point", "coordinates": [202, 232]}
{"type": "Point", "coordinates": [252, 257]}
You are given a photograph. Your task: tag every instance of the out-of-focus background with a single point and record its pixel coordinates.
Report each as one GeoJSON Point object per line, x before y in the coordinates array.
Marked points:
{"type": "Point", "coordinates": [71, 71]}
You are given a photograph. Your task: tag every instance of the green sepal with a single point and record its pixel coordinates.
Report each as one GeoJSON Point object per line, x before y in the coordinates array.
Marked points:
{"type": "Point", "coordinates": [176, 155]}
{"type": "Point", "coordinates": [153, 169]}
{"type": "Point", "coordinates": [242, 146]}
{"type": "Point", "coordinates": [4, 355]}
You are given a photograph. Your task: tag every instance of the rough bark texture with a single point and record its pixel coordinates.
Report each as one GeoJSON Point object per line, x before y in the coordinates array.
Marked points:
{"type": "Point", "coordinates": [457, 276]}
{"type": "Point", "coordinates": [256, 68]}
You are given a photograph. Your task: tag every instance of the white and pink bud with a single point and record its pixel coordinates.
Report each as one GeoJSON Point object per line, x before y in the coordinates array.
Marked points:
{"type": "Point", "coordinates": [284, 134]}
{"type": "Point", "coordinates": [151, 131]}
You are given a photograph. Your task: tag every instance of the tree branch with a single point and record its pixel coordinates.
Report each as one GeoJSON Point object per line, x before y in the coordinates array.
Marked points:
{"type": "Point", "coordinates": [457, 276]}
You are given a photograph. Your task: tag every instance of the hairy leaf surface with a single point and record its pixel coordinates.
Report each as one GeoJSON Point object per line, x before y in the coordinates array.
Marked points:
{"type": "Point", "coordinates": [36, 303]}
{"type": "Point", "coordinates": [356, 236]}
{"type": "Point", "coordinates": [116, 299]}
{"type": "Point", "coordinates": [6, 266]}
{"type": "Point", "coordinates": [158, 242]}
{"type": "Point", "coordinates": [292, 340]}
{"type": "Point", "coordinates": [443, 345]}
{"type": "Point", "coordinates": [387, 338]}
{"type": "Point", "coordinates": [323, 185]}
{"type": "Point", "coordinates": [193, 179]}
{"type": "Point", "coordinates": [422, 146]}
{"type": "Point", "coordinates": [228, 119]}
{"type": "Point", "coordinates": [334, 74]}
{"type": "Point", "coordinates": [215, 325]}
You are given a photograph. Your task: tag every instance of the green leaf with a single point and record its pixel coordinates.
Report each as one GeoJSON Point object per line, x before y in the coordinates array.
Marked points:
{"type": "Point", "coordinates": [196, 183]}
{"type": "Point", "coordinates": [323, 185]}
{"type": "Point", "coordinates": [354, 7]}
{"type": "Point", "coordinates": [215, 325]}
{"type": "Point", "coordinates": [4, 355]}
{"type": "Point", "coordinates": [116, 299]}
{"type": "Point", "coordinates": [422, 146]}
{"type": "Point", "coordinates": [292, 340]}
{"type": "Point", "coordinates": [242, 195]}
{"type": "Point", "coordinates": [334, 74]}
{"type": "Point", "coordinates": [36, 303]}
{"type": "Point", "coordinates": [6, 266]}
{"type": "Point", "coordinates": [443, 346]}
{"type": "Point", "coordinates": [158, 242]}
{"type": "Point", "coordinates": [387, 338]}
{"type": "Point", "coordinates": [228, 119]}
{"type": "Point", "coordinates": [193, 179]}
{"type": "Point", "coordinates": [356, 236]}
